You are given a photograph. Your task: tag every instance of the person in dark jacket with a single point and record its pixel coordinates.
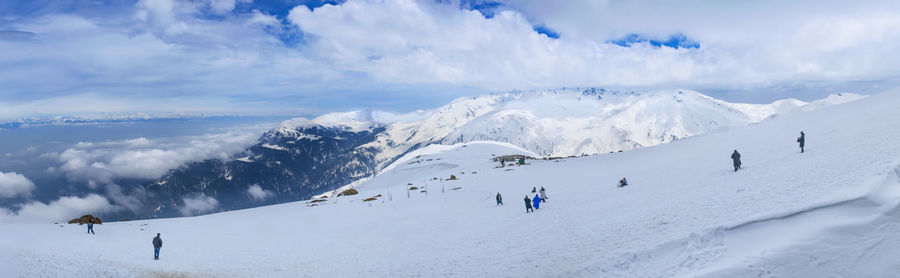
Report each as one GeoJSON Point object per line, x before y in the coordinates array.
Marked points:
{"type": "Point", "coordinates": [157, 244]}
{"type": "Point", "coordinates": [91, 226]}
{"type": "Point", "coordinates": [623, 182]}
{"type": "Point", "coordinates": [499, 199]}
{"type": "Point", "coordinates": [537, 201]}
{"type": "Point", "coordinates": [534, 190]}
{"type": "Point", "coordinates": [528, 205]}
{"type": "Point", "coordinates": [802, 141]}
{"type": "Point", "coordinates": [736, 157]}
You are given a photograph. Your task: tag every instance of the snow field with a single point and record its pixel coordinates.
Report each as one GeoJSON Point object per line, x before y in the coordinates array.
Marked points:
{"type": "Point", "coordinates": [831, 211]}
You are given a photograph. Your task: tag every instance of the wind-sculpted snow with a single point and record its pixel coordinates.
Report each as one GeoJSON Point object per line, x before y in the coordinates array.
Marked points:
{"type": "Point", "coordinates": [831, 211]}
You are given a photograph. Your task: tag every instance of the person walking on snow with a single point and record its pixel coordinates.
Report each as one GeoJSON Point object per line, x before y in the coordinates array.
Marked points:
{"type": "Point", "coordinates": [157, 244]}
{"type": "Point", "coordinates": [528, 205]}
{"type": "Point", "coordinates": [499, 199]}
{"type": "Point", "coordinates": [801, 140]}
{"type": "Point", "coordinates": [543, 194]}
{"type": "Point", "coordinates": [536, 201]}
{"type": "Point", "coordinates": [736, 157]}
{"type": "Point", "coordinates": [91, 226]}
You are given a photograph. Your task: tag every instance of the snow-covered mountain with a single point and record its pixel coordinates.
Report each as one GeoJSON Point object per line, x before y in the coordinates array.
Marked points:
{"type": "Point", "coordinates": [563, 123]}
{"type": "Point", "coordinates": [831, 211]}
{"type": "Point", "coordinates": [304, 157]}
{"type": "Point", "coordinates": [579, 121]}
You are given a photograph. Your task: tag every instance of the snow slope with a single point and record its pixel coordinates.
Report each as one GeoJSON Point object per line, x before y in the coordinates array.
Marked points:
{"type": "Point", "coordinates": [831, 211]}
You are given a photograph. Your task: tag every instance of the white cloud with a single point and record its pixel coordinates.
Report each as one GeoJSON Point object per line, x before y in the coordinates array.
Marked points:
{"type": "Point", "coordinates": [84, 145]}
{"type": "Point", "coordinates": [170, 55]}
{"type": "Point", "coordinates": [258, 193]}
{"type": "Point", "coordinates": [223, 6]}
{"type": "Point", "coordinates": [263, 19]}
{"type": "Point", "coordinates": [27, 151]}
{"type": "Point", "coordinates": [419, 42]}
{"type": "Point", "coordinates": [163, 59]}
{"type": "Point", "coordinates": [145, 158]}
{"type": "Point", "coordinates": [198, 204]}
{"type": "Point", "coordinates": [60, 210]}
{"type": "Point", "coordinates": [13, 184]}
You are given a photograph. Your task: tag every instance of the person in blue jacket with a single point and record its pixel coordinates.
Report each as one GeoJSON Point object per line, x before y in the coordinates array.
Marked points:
{"type": "Point", "coordinates": [537, 201]}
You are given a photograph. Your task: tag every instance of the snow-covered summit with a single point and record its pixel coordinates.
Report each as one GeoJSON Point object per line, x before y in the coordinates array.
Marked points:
{"type": "Point", "coordinates": [351, 121]}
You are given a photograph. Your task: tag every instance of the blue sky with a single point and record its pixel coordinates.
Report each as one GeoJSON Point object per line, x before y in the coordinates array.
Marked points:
{"type": "Point", "coordinates": [301, 57]}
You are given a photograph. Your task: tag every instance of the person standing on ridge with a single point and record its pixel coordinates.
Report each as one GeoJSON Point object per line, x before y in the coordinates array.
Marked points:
{"type": "Point", "coordinates": [499, 199]}
{"type": "Point", "coordinates": [736, 157]}
{"type": "Point", "coordinates": [91, 226]}
{"type": "Point", "coordinates": [543, 194]}
{"type": "Point", "coordinates": [528, 205]}
{"type": "Point", "coordinates": [536, 201]}
{"type": "Point", "coordinates": [157, 244]}
{"type": "Point", "coordinates": [802, 141]}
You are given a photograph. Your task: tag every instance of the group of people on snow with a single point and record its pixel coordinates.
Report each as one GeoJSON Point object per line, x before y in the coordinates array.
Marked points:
{"type": "Point", "coordinates": [531, 204]}
{"type": "Point", "coordinates": [736, 156]}
{"type": "Point", "coordinates": [541, 196]}
{"type": "Point", "coordinates": [157, 241]}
